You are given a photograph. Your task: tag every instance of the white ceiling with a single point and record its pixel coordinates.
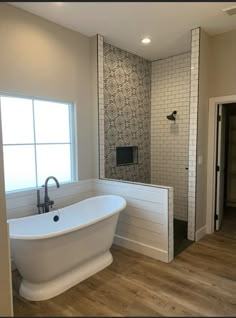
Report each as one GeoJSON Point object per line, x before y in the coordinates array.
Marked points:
{"type": "Point", "coordinates": [124, 24]}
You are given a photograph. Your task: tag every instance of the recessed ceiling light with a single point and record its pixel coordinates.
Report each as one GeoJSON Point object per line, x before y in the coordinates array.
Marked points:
{"type": "Point", "coordinates": [146, 40]}
{"type": "Point", "coordinates": [59, 3]}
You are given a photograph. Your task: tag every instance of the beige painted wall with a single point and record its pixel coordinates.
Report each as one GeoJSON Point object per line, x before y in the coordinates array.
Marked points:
{"type": "Point", "coordinates": [202, 131]}
{"type": "Point", "coordinates": [217, 78]}
{"type": "Point", "coordinates": [5, 270]}
{"type": "Point", "coordinates": [43, 59]}
{"type": "Point", "coordinates": [40, 58]}
{"type": "Point", "coordinates": [222, 80]}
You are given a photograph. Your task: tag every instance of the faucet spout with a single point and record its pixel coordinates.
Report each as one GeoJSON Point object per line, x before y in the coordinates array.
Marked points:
{"type": "Point", "coordinates": [47, 201]}
{"type": "Point", "coordinates": [46, 197]}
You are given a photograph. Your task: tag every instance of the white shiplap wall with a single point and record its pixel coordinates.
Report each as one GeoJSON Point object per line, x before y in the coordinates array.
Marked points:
{"type": "Point", "coordinates": [169, 140]}
{"type": "Point", "coordinates": [24, 203]}
{"type": "Point", "coordinates": [145, 225]}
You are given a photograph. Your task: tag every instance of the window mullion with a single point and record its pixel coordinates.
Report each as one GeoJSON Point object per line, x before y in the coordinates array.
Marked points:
{"type": "Point", "coordinates": [71, 149]}
{"type": "Point", "coordinates": [73, 141]}
{"type": "Point", "coordinates": [35, 152]}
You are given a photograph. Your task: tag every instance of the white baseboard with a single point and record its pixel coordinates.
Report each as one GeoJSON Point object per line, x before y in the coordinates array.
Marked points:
{"type": "Point", "coordinates": [141, 248]}
{"type": "Point", "coordinates": [201, 232]}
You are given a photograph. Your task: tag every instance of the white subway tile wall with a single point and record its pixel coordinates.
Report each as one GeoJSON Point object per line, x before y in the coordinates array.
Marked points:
{"type": "Point", "coordinates": [195, 50]}
{"type": "Point", "coordinates": [101, 108]}
{"type": "Point", "coordinates": [169, 140]}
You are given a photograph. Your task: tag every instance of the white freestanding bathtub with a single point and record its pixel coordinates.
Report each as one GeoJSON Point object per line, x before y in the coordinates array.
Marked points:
{"type": "Point", "coordinates": [53, 255]}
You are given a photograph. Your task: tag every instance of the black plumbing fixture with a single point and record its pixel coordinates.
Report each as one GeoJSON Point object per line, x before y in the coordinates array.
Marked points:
{"type": "Point", "coordinates": [56, 218]}
{"type": "Point", "coordinates": [172, 116]}
{"type": "Point", "coordinates": [47, 202]}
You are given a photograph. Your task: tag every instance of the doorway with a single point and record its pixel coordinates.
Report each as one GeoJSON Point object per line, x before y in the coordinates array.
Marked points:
{"type": "Point", "coordinates": [229, 190]}
{"type": "Point", "coordinates": [224, 164]}
{"type": "Point", "coordinates": [230, 158]}
{"type": "Point", "coordinates": [218, 182]}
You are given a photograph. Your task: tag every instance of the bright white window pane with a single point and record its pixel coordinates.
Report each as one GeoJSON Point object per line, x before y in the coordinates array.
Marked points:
{"type": "Point", "coordinates": [51, 122]}
{"type": "Point", "coordinates": [19, 167]}
{"type": "Point", "coordinates": [53, 160]}
{"type": "Point", "coordinates": [17, 120]}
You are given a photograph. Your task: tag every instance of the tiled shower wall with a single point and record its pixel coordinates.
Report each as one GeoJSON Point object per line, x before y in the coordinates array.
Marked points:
{"type": "Point", "coordinates": [169, 139]}
{"type": "Point", "coordinates": [127, 110]}
{"type": "Point", "coordinates": [193, 122]}
{"type": "Point", "coordinates": [192, 129]}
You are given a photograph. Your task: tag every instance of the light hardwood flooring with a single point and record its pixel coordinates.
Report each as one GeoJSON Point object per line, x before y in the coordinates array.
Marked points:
{"type": "Point", "coordinates": [201, 281]}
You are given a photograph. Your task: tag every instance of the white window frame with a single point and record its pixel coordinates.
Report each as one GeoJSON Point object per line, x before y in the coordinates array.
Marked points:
{"type": "Point", "coordinates": [73, 137]}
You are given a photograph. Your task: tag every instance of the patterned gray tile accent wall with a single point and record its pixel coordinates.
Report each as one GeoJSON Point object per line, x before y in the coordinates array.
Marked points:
{"type": "Point", "coordinates": [127, 112]}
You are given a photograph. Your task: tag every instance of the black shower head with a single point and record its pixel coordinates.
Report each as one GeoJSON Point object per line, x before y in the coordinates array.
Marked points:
{"type": "Point", "coordinates": [172, 116]}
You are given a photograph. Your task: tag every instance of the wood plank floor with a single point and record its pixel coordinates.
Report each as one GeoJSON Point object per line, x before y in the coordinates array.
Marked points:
{"type": "Point", "coordinates": [201, 281]}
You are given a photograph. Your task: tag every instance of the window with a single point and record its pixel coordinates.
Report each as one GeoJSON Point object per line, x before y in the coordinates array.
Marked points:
{"type": "Point", "coordinates": [37, 141]}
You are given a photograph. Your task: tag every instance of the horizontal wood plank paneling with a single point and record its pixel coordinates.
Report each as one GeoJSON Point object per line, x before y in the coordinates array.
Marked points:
{"type": "Point", "coordinates": [155, 207]}
{"type": "Point", "coordinates": [23, 203]}
{"type": "Point", "coordinates": [143, 236]}
{"type": "Point", "coordinates": [144, 214]}
{"type": "Point", "coordinates": [144, 225]}
{"type": "Point", "coordinates": [133, 191]}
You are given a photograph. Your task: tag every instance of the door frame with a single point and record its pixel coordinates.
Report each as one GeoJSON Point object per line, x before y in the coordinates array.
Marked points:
{"type": "Point", "coordinates": [211, 158]}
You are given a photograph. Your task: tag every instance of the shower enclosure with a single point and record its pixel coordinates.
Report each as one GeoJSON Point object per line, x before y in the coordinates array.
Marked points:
{"type": "Point", "coordinates": [149, 106]}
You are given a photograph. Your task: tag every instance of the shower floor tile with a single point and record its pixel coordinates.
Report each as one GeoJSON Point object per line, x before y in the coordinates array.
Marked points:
{"type": "Point", "coordinates": [180, 236]}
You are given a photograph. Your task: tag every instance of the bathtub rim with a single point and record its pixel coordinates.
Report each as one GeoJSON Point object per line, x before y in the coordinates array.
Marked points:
{"type": "Point", "coordinates": [72, 229]}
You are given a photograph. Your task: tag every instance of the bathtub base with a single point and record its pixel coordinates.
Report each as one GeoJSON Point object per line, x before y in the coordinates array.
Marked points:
{"type": "Point", "coordinates": [43, 291]}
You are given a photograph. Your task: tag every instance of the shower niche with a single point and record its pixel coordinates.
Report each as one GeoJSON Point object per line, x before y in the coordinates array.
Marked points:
{"type": "Point", "coordinates": [126, 155]}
